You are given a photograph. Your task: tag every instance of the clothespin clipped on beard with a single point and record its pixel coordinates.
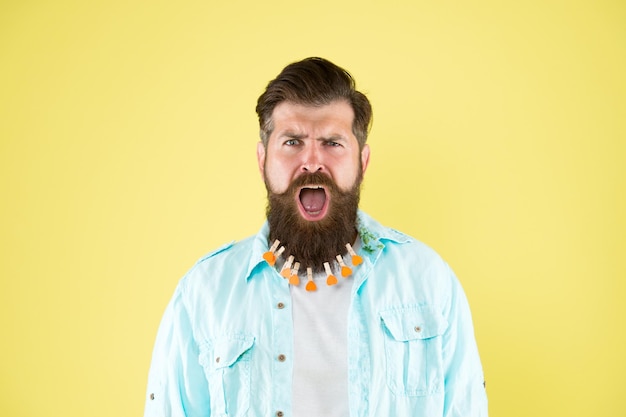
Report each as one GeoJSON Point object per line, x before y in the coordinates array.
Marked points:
{"type": "Point", "coordinates": [271, 255]}
{"type": "Point", "coordinates": [356, 259]}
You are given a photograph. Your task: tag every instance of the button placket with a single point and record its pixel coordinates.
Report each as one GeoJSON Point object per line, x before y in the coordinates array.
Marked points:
{"type": "Point", "coordinates": [281, 343]}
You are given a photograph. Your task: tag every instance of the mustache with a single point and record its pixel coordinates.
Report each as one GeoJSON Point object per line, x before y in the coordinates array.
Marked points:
{"type": "Point", "coordinates": [315, 178]}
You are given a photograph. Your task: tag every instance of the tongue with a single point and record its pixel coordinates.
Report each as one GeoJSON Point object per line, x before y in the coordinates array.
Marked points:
{"type": "Point", "coordinates": [312, 199]}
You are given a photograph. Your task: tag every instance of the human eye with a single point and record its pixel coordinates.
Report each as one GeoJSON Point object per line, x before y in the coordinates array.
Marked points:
{"type": "Point", "coordinates": [332, 143]}
{"type": "Point", "coordinates": [291, 142]}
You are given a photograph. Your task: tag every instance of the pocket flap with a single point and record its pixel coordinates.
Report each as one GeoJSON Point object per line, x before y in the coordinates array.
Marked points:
{"type": "Point", "coordinates": [413, 323]}
{"type": "Point", "coordinates": [225, 351]}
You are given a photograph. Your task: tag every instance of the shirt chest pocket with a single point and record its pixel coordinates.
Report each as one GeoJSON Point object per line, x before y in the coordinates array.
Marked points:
{"type": "Point", "coordinates": [226, 364]}
{"type": "Point", "coordinates": [413, 354]}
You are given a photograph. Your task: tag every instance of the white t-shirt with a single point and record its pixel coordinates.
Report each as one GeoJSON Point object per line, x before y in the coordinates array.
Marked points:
{"type": "Point", "coordinates": [320, 373]}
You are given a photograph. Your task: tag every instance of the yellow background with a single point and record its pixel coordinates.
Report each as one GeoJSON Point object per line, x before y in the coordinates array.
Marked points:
{"type": "Point", "coordinates": [127, 148]}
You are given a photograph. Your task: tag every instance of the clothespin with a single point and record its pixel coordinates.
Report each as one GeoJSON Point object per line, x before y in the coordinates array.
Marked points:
{"type": "Point", "coordinates": [345, 270]}
{"type": "Point", "coordinates": [330, 278]}
{"type": "Point", "coordinates": [286, 271]}
{"type": "Point", "coordinates": [356, 259]}
{"type": "Point", "coordinates": [293, 278]}
{"type": "Point", "coordinates": [270, 256]}
{"type": "Point", "coordinates": [310, 285]}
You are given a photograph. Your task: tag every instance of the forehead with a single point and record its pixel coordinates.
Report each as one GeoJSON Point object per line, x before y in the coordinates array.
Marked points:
{"type": "Point", "coordinates": [337, 115]}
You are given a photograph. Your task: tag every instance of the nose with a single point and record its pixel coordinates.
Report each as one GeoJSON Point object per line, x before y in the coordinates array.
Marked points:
{"type": "Point", "coordinates": [312, 160]}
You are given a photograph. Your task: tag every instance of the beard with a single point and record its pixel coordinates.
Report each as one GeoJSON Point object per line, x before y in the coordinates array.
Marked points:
{"type": "Point", "coordinates": [313, 242]}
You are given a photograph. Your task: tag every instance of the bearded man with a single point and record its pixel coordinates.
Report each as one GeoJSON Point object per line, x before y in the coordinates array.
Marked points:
{"type": "Point", "coordinates": [324, 312]}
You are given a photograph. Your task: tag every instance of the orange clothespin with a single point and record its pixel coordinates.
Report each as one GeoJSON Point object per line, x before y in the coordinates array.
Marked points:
{"type": "Point", "coordinates": [345, 270]}
{"type": "Point", "coordinates": [310, 285]}
{"type": "Point", "coordinates": [286, 271]}
{"type": "Point", "coordinates": [293, 278]}
{"type": "Point", "coordinates": [270, 256]}
{"type": "Point", "coordinates": [356, 259]}
{"type": "Point", "coordinates": [330, 278]}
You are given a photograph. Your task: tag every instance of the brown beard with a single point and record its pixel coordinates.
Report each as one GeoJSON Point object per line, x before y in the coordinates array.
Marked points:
{"type": "Point", "coordinates": [313, 242]}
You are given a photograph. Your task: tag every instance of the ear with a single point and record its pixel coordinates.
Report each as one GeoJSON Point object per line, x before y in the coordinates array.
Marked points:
{"type": "Point", "coordinates": [365, 157]}
{"type": "Point", "coordinates": [260, 156]}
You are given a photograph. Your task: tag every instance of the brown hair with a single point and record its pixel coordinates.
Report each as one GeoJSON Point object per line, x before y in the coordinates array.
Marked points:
{"type": "Point", "coordinates": [316, 82]}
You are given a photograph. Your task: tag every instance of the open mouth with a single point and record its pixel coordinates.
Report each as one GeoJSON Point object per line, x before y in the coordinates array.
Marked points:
{"type": "Point", "coordinates": [313, 202]}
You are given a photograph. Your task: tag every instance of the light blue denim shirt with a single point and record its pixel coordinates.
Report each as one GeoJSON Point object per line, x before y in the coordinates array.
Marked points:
{"type": "Point", "coordinates": [225, 343]}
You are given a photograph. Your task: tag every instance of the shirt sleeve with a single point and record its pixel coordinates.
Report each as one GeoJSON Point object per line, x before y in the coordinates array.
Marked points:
{"type": "Point", "coordinates": [177, 385]}
{"type": "Point", "coordinates": [465, 394]}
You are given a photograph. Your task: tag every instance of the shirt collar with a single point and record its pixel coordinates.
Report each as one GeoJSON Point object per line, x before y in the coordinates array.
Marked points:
{"type": "Point", "coordinates": [260, 245]}
{"type": "Point", "coordinates": [372, 235]}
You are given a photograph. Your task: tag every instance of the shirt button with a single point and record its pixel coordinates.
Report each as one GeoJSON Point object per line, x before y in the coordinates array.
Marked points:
{"type": "Point", "coordinates": [282, 357]}
{"type": "Point", "coordinates": [152, 396]}
{"type": "Point", "coordinates": [279, 414]}
{"type": "Point", "coordinates": [280, 305]}
{"type": "Point", "coordinates": [418, 329]}
{"type": "Point", "coordinates": [217, 360]}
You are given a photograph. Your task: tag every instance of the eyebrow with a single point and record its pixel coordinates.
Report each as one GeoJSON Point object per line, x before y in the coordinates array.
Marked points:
{"type": "Point", "coordinates": [331, 138]}
{"type": "Point", "coordinates": [293, 135]}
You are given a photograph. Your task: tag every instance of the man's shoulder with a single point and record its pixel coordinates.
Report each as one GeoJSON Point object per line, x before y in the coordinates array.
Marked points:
{"type": "Point", "coordinates": [410, 271]}
{"type": "Point", "coordinates": [233, 251]}
{"type": "Point", "coordinates": [404, 254]}
{"type": "Point", "coordinates": [220, 271]}
{"type": "Point", "coordinates": [371, 230]}
{"type": "Point", "coordinates": [409, 243]}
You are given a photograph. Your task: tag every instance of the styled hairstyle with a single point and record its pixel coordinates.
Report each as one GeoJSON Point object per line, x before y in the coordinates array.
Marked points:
{"type": "Point", "coordinates": [314, 82]}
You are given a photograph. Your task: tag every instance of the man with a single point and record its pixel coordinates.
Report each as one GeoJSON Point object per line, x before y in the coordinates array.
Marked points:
{"type": "Point", "coordinates": [324, 312]}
